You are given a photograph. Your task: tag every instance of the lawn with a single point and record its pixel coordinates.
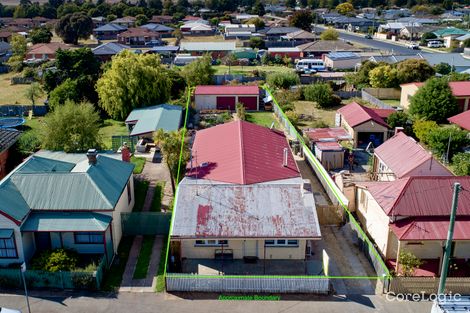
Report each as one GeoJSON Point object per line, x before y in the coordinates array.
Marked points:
{"type": "Point", "coordinates": [113, 277]}
{"type": "Point", "coordinates": [319, 115]}
{"type": "Point", "coordinates": [15, 94]}
{"type": "Point", "coordinates": [161, 268]}
{"type": "Point", "coordinates": [112, 128]}
{"type": "Point", "coordinates": [157, 197]}
{"type": "Point", "coordinates": [224, 69]}
{"type": "Point", "coordinates": [392, 102]}
{"type": "Point", "coordinates": [140, 192]}
{"type": "Point", "coordinates": [139, 163]}
{"type": "Point", "coordinates": [143, 261]}
{"type": "Point", "coordinates": [262, 118]}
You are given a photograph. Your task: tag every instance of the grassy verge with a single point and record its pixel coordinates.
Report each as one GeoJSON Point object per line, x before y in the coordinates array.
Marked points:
{"type": "Point", "coordinates": [262, 118]}
{"type": "Point", "coordinates": [143, 261]}
{"type": "Point", "coordinates": [112, 128]}
{"type": "Point", "coordinates": [15, 94]}
{"type": "Point", "coordinates": [113, 277]}
{"type": "Point", "coordinates": [139, 163]}
{"type": "Point", "coordinates": [157, 197]}
{"type": "Point", "coordinates": [392, 102]}
{"type": "Point", "coordinates": [161, 268]}
{"type": "Point", "coordinates": [318, 115]}
{"type": "Point", "coordinates": [140, 192]}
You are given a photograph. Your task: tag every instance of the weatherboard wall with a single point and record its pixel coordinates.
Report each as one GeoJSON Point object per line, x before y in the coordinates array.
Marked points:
{"type": "Point", "coordinates": [6, 223]}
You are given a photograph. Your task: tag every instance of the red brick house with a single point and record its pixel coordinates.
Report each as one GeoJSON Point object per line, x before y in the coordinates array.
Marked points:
{"type": "Point", "coordinates": [45, 51]}
{"type": "Point", "coordinates": [138, 36]}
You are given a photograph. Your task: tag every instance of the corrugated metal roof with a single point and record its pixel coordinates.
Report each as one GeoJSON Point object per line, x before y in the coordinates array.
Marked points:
{"type": "Point", "coordinates": [150, 119]}
{"type": "Point", "coordinates": [327, 46]}
{"type": "Point", "coordinates": [226, 90]}
{"type": "Point", "coordinates": [329, 146]}
{"type": "Point", "coordinates": [110, 27]}
{"type": "Point", "coordinates": [208, 46]}
{"type": "Point", "coordinates": [420, 195]}
{"type": "Point", "coordinates": [208, 209]}
{"type": "Point", "coordinates": [451, 304]}
{"type": "Point", "coordinates": [327, 134]}
{"type": "Point", "coordinates": [430, 229]}
{"type": "Point", "coordinates": [403, 154]}
{"type": "Point", "coordinates": [459, 89]}
{"type": "Point", "coordinates": [109, 48]}
{"type": "Point", "coordinates": [342, 55]}
{"type": "Point", "coordinates": [462, 119]}
{"type": "Point", "coordinates": [60, 221]}
{"type": "Point", "coordinates": [37, 164]}
{"type": "Point", "coordinates": [242, 153]}
{"type": "Point", "coordinates": [356, 114]}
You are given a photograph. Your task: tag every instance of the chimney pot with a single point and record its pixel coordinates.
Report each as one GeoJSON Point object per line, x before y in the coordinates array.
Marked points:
{"type": "Point", "coordinates": [91, 154]}
{"type": "Point", "coordinates": [399, 130]}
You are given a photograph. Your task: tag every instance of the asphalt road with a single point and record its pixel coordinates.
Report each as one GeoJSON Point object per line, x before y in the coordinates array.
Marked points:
{"type": "Point", "coordinates": [384, 47]}
{"type": "Point", "coordinates": [149, 302]}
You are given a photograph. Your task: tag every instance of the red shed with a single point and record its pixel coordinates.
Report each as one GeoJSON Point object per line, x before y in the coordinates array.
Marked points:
{"type": "Point", "coordinates": [226, 97]}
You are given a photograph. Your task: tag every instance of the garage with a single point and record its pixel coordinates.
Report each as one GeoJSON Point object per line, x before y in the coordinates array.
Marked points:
{"type": "Point", "coordinates": [226, 103]}
{"type": "Point", "coordinates": [250, 103]}
{"type": "Point", "coordinates": [363, 139]}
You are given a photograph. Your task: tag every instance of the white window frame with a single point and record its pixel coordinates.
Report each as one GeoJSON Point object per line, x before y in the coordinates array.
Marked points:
{"type": "Point", "coordinates": [211, 243]}
{"type": "Point", "coordinates": [282, 243]}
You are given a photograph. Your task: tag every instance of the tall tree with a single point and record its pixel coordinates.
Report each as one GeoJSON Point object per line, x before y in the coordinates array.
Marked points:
{"type": "Point", "coordinates": [291, 3]}
{"type": "Point", "coordinates": [132, 81]}
{"type": "Point", "coordinates": [74, 26]}
{"type": "Point", "coordinates": [413, 70]}
{"type": "Point", "coordinates": [71, 128]}
{"type": "Point", "coordinates": [155, 4]}
{"type": "Point", "coordinates": [33, 92]}
{"type": "Point", "coordinates": [40, 35]}
{"type": "Point", "coordinates": [302, 19]}
{"type": "Point", "coordinates": [383, 76]}
{"type": "Point", "coordinates": [258, 8]}
{"type": "Point", "coordinates": [434, 101]}
{"type": "Point", "coordinates": [329, 34]}
{"type": "Point", "coordinates": [345, 8]}
{"type": "Point", "coordinates": [18, 48]}
{"type": "Point", "coordinates": [199, 72]}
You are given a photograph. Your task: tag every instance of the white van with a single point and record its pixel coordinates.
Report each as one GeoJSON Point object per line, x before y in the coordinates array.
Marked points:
{"type": "Point", "coordinates": [434, 44]}
{"type": "Point", "coordinates": [309, 66]}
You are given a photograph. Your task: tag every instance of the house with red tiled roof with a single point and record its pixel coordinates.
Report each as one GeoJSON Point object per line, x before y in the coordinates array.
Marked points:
{"type": "Point", "coordinates": [138, 36]}
{"type": "Point", "coordinates": [212, 97]}
{"type": "Point", "coordinates": [242, 199]}
{"type": "Point", "coordinates": [460, 90]}
{"type": "Point", "coordinates": [462, 120]}
{"type": "Point", "coordinates": [412, 214]}
{"type": "Point", "coordinates": [45, 51]}
{"type": "Point", "coordinates": [365, 125]}
{"type": "Point", "coordinates": [401, 156]}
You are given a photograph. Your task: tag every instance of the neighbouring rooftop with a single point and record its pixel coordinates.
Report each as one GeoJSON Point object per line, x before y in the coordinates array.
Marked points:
{"type": "Point", "coordinates": [149, 119]}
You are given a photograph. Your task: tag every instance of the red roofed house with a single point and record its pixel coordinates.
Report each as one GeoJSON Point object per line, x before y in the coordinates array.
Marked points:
{"type": "Point", "coordinates": [226, 97]}
{"type": "Point", "coordinates": [401, 156]}
{"type": "Point", "coordinates": [45, 51]}
{"type": "Point", "coordinates": [462, 120]}
{"type": "Point", "coordinates": [242, 198]}
{"type": "Point", "coordinates": [138, 36]}
{"type": "Point", "coordinates": [412, 214]}
{"type": "Point", "coordinates": [364, 124]}
{"type": "Point", "coordinates": [460, 90]}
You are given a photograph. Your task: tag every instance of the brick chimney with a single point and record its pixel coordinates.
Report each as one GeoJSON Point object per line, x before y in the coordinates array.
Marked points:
{"type": "Point", "coordinates": [125, 153]}
{"type": "Point", "coordinates": [92, 154]}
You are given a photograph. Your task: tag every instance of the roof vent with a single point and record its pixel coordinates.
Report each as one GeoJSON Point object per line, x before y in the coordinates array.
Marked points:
{"type": "Point", "coordinates": [284, 159]}
{"type": "Point", "coordinates": [91, 154]}
{"type": "Point", "coordinates": [204, 164]}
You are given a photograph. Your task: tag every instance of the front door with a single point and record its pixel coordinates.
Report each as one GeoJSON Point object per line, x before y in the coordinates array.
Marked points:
{"type": "Point", "coordinates": [43, 241]}
{"type": "Point", "coordinates": [250, 248]}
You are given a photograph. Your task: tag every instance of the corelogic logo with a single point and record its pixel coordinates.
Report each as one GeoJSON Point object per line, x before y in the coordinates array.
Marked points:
{"type": "Point", "coordinates": [391, 296]}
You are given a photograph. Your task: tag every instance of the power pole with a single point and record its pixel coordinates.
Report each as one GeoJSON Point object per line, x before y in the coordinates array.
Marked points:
{"type": "Point", "coordinates": [450, 235]}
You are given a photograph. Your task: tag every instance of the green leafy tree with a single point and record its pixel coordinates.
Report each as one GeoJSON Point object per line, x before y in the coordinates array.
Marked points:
{"type": "Point", "coordinates": [443, 68]}
{"type": "Point", "coordinates": [132, 81]}
{"type": "Point", "coordinates": [414, 70]}
{"type": "Point", "coordinates": [461, 164]}
{"type": "Point", "coordinates": [258, 22]}
{"type": "Point", "coordinates": [360, 79]}
{"type": "Point", "coordinates": [408, 263]}
{"type": "Point", "coordinates": [434, 101]}
{"type": "Point", "coordinates": [447, 140]}
{"type": "Point", "coordinates": [401, 119]}
{"type": "Point", "coordinates": [199, 72]}
{"type": "Point", "coordinates": [33, 92]}
{"type": "Point", "coordinates": [329, 34]}
{"type": "Point", "coordinates": [301, 19]}
{"type": "Point", "coordinates": [282, 80]}
{"type": "Point", "coordinates": [56, 260]}
{"type": "Point", "coordinates": [18, 49]}
{"type": "Point", "coordinates": [40, 35]}
{"type": "Point", "coordinates": [321, 93]}
{"type": "Point", "coordinates": [258, 8]}
{"type": "Point", "coordinates": [426, 37]}
{"type": "Point", "coordinates": [66, 91]}
{"type": "Point", "coordinates": [422, 128]}
{"type": "Point", "coordinates": [345, 8]}
{"type": "Point", "coordinates": [384, 76]}
{"type": "Point", "coordinates": [456, 77]}
{"type": "Point", "coordinates": [71, 128]}
{"type": "Point", "coordinates": [291, 3]}
{"type": "Point", "coordinates": [170, 144]}
{"type": "Point", "coordinates": [257, 43]}
{"type": "Point", "coordinates": [74, 26]}
{"type": "Point", "coordinates": [141, 19]}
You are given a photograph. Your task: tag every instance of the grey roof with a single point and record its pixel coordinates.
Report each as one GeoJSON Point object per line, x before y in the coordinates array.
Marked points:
{"type": "Point", "coordinates": [279, 30]}
{"type": "Point", "coordinates": [60, 222]}
{"type": "Point", "coordinates": [208, 46]}
{"type": "Point", "coordinates": [109, 48]}
{"type": "Point", "coordinates": [451, 304]}
{"type": "Point", "coordinates": [342, 55]}
{"type": "Point", "coordinates": [150, 119]}
{"type": "Point", "coordinates": [49, 184]}
{"type": "Point", "coordinates": [276, 209]}
{"type": "Point", "coordinates": [158, 27]}
{"type": "Point", "coordinates": [327, 45]}
{"type": "Point", "coordinates": [8, 137]}
{"type": "Point", "coordinates": [392, 59]}
{"type": "Point", "coordinates": [4, 46]}
{"type": "Point", "coordinates": [455, 59]}
{"type": "Point", "coordinates": [157, 49]}
{"type": "Point", "coordinates": [110, 27]}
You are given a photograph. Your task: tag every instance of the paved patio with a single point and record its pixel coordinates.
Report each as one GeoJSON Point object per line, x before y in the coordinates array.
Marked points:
{"type": "Point", "coordinates": [239, 267]}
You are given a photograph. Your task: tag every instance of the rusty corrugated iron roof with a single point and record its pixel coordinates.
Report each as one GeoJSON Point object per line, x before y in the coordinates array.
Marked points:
{"type": "Point", "coordinates": [208, 209]}
{"type": "Point", "coordinates": [327, 134]}
{"type": "Point", "coordinates": [430, 229]}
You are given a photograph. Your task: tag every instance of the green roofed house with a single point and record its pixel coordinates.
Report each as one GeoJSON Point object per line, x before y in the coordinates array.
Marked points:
{"type": "Point", "coordinates": [58, 200]}
{"type": "Point", "coordinates": [449, 34]}
{"type": "Point", "coordinates": [143, 122]}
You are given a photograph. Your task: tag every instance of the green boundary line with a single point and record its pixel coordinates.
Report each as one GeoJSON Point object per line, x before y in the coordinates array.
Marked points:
{"type": "Point", "coordinates": [301, 140]}
{"type": "Point", "coordinates": [189, 276]}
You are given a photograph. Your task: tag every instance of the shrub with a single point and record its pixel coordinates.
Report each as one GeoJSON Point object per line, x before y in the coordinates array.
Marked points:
{"type": "Point", "coordinates": [293, 118]}
{"type": "Point", "coordinates": [241, 112]}
{"type": "Point", "coordinates": [283, 80]}
{"type": "Point", "coordinates": [461, 164]}
{"type": "Point", "coordinates": [450, 138]}
{"type": "Point", "coordinates": [29, 142]}
{"type": "Point", "coordinates": [422, 129]}
{"type": "Point", "coordinates": [401, 119]}
{"type": "Point", "coordinates": [409, 262]}
{"type": "Point", "coordinates": [319, 124]}
{"type": "Point", "coordinates": [56, 260]}
{"type": "Point", "coordinates": [322, 94]}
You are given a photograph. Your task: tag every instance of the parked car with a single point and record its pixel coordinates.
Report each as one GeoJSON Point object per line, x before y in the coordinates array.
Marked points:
{"type": "Point", "coordinates": [153, 43]}
{"type": "Point", "coordinates": [368, 36]}
{"type": "Point", "coordinates": [434, 44]}
{"type": "Point", "coordinates": [413, 46]}
{"type": "Point", "coordinates": [5, 310]}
